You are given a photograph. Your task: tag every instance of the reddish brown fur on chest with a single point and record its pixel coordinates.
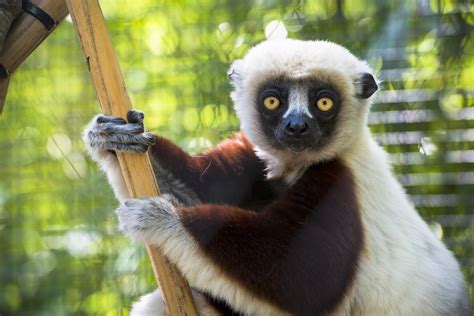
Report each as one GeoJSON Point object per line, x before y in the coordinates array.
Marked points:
{"type": "Point", "coordinates": [300, 252]}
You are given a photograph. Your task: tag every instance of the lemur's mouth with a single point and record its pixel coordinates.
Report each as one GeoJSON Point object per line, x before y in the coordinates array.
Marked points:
{"type": "Point", "coordinates": [296, 145]}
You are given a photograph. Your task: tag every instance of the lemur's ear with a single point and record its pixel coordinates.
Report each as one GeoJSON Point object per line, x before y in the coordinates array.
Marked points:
{"type": "Point", "coordinates": [366, 86]}
{"type": "Point", "coordinates": [235, 73]}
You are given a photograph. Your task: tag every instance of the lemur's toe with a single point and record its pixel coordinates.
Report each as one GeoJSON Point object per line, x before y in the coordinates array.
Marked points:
{"type": "Point", "coordinates": [140, 217]}
{"type": "Point", "coordinates": [140, 148]}
{"type": "Point", "coordinates": [110, 119]}
{"type": "Point", "coordinates": [135, 116]}
{"type": "Point", "coordinates": [148, 139]}
{"type": "Point", "coordinates": [130, 128]}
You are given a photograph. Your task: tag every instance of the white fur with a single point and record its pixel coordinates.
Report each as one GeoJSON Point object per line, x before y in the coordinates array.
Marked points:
{"type": "Point", "coordinates": [108, 162]}
{"type": "Point", "coordinates": [299, 59]}
{"type": "Point", "coordinates": [148, 305]}
{"type": "Point", "coordinates": [405, 269]}
{"type": "Point", "coordinates": [298, 102]}
{"type": "Point", "coordinates": [152, 305]}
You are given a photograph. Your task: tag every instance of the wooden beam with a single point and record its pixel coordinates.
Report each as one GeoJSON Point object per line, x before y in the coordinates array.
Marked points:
{"type": "Point", "coordinates": [25, 34]}
{"type": "Point", "coordinates": [136, 168]}
{"type": "Point", "coordinates": [3, 92]}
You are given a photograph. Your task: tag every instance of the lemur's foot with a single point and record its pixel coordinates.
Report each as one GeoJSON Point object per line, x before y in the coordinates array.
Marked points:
{"type": "Point", "coordinates": [147, 219]}
{"type": "Point", "coordinates": [114, 133]}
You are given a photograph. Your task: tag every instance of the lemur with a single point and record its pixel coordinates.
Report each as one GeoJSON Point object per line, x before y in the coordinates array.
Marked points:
{"type": "Point", "coordinates": [299, 213]}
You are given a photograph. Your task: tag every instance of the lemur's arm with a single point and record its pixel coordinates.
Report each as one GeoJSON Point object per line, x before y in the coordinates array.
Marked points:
{"type": "Point", "coordinates": [225, 174]}
{"type": "Point", "coordinates": [298, 254]}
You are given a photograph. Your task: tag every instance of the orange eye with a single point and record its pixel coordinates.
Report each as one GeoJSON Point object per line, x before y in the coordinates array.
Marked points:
{"type": "Point", "coordinates": [271, 103]}
{"type": "Point", "coordinates": [324, 104]}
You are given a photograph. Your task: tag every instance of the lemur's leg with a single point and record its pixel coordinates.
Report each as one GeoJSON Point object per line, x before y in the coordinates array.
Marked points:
{"type": "Point", "coordinates": [298, 255]}
{"type": "Point", "coordinates": [226, 173]}
{"type": "Point", "coordinates": [156, 221]}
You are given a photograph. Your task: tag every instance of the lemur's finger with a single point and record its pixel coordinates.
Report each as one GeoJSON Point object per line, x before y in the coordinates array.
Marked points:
{"type": "Point", "coordinates": [139, 148]}
{"type": "Point", "coordinates": [145, 139]}
{"type": "Point", "coordinates": [121, 141]}
{"type": "Point", "coordinates": [108, 145]}
{"type": "Point", "coordinates": [135, 116]}
{"type": "Point", "coordinates": [148, 138]}
{"type": "Point", "coordinates": [112, 128]}
{"type": "Point", "coordinates": [110, 119]}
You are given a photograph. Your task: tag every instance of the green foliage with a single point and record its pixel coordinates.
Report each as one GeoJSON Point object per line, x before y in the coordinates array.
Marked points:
{"type": "Point", "coordinates": [60, 252]}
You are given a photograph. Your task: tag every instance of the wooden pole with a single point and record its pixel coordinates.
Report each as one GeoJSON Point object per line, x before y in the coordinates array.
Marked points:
{"type": "Point", "coordinates": [136, 168]}
{"type": "Point", "coordinates": [25, 34]}
{"type": "Point", "coordinates": [3, 92]}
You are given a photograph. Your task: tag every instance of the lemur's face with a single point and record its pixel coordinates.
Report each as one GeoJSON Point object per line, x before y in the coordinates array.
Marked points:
{"type": "Point", "coordinates": [301, 100]}
{"type": "Point", "coordinates": [297, 114]}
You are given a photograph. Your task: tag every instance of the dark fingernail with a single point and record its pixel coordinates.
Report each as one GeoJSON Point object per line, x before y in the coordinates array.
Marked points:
{"type": "Point", "coordinates": [150, 139]}
{"type": "Point", "coordinates": [111, 119]}
{"type": "Point", "coordinates": [101, 119]}
{"type": "Point", "coordinates": [135, 116]}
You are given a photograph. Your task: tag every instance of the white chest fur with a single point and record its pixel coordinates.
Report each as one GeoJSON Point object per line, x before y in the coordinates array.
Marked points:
{"type": "Point", "coordinates": [404, 269]}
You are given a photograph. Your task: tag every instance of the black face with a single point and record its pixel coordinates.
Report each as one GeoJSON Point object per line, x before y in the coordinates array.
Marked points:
{"type": "Point", "coordinates": [291, 129]}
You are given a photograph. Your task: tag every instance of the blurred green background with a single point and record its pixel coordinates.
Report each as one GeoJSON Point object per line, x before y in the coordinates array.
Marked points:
{"type": "Point", "coordinates": [60, 252]}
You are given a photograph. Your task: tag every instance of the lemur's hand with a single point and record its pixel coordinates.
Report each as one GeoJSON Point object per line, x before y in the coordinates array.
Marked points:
{"type": "Point", "coordinates": [143, 219]}
{"type": "Point", "coordinates": [114, 133]}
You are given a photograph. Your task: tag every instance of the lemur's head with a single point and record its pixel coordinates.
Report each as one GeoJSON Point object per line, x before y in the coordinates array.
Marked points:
{"type": "Point", "coordinates": [301, 99]}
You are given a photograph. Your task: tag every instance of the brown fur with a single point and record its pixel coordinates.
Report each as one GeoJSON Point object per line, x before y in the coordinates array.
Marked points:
{"type": "Point", "coordinates": [300, 252]}
{"type": "Point", "coordinates": [296, 248]}
{"type": "Point", "coordinates": [229, 173]}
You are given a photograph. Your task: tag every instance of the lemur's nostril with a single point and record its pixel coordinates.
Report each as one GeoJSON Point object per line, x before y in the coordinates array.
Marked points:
{"type": "Point", "coordinates": [296, 127]}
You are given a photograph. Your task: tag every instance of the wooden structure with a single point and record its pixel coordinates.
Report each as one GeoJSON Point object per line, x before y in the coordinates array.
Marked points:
{"type": "Point", "coordinates": [25, 35]}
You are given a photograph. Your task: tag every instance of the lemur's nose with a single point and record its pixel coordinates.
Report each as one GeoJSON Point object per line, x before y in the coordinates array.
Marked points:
{"type": "Point", "coordinates": [296, 126]}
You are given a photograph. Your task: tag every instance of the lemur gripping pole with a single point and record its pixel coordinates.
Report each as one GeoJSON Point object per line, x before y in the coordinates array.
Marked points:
{"type": "Point", "coordinates": [136, 168]}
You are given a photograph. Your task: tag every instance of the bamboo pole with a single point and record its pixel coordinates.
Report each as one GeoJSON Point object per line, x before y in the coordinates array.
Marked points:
{"type": "Point", "coordinates": [25, 34]}
{"type": "Point", "coordinates": [136, 168]}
